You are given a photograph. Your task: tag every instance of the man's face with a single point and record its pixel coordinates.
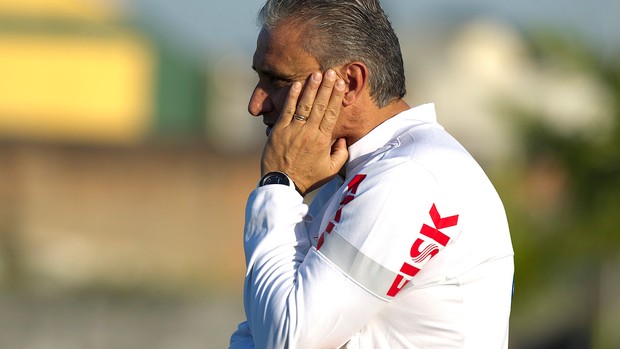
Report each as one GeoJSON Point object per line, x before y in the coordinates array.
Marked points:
{"type": "Point", "coordinates": [279, 61]}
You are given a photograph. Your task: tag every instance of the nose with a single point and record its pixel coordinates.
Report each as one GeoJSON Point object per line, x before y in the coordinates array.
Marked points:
{"type": "Point", "coordinates": [260, 102]}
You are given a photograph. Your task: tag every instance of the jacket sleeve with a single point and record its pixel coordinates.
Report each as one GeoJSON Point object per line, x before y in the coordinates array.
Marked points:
{"type": "Point", "coordinates": [293, 296]}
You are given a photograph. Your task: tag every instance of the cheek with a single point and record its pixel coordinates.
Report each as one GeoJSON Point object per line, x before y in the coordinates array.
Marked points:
{"type": "Point", "coordinates": [279, 97]}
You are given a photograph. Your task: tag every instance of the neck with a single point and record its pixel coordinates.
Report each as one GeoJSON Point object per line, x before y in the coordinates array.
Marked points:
{"type": "Point", "coordinates": [368, 118]}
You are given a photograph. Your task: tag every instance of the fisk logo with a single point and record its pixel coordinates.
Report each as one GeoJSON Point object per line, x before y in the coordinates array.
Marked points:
{"type": "Point", "coordinates": [349, 195]}
{"type": "Point", "coordinates": [423, 249]}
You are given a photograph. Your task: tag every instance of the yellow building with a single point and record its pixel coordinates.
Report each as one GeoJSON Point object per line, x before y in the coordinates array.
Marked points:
{"type": "Point", "coordinates": [74, 70]}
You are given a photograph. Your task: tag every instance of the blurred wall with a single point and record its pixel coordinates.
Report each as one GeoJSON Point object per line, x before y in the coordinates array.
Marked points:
{"type": "Point", "coordinates": [115, 212]}
{"type": "Point", "coordinates": [68, 73]}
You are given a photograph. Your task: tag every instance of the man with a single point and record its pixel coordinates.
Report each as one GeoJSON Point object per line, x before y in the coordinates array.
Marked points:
{"type": "Point", "coordinates": [406, 245]}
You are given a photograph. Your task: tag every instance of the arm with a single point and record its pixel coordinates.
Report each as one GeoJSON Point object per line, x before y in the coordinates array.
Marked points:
{"type": "Point", "coordinates": [242, 337]}
{"type": "Point", "coordinates": [289, 286]}
{"type": "Point", "coordinates": [294, 296]}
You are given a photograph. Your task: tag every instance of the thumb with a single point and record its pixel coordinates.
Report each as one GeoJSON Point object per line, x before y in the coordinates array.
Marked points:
{"type": "Point", "coordinates": [340, 153]}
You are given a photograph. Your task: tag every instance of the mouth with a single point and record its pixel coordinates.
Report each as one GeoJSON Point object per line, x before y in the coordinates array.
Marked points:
{"type": "Point", "coordinates": [269, 121]}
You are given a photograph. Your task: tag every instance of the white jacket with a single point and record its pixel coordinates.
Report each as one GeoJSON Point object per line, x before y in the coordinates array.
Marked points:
{"type": "Point", "coordinates": [411, 250]}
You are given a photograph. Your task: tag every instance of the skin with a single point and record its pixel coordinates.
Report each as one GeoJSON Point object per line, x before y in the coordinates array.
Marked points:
{"type": "Point", "coordinates": [337, 103]}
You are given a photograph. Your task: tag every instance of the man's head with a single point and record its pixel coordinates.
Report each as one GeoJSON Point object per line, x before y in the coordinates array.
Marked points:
{"type": "Point", "coordinates": [299, 37]}
{"type": "Point", "coordinates": [342, 31]}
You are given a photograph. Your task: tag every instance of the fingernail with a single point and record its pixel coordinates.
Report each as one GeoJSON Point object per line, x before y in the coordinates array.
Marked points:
{"type": "Point", "coordinates": [296, 86]}
{"type": "Point", "coordinates": [330, 74]}
{"type": "Point", "coordinates": [340, 84]}
{"type": "Point", "coordinates": [316, 77]}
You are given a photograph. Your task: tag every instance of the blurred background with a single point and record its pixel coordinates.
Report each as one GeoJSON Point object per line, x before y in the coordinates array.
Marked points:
{"type": "Point", "coordinates": [127, 154]}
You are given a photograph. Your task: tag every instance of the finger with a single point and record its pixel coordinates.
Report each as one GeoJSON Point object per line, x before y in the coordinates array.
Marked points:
{"type": "Point", "coordinates": [333, 108]}
{"type": "Point", "coordinates": [339, 153]}
{"type": "Point", "coordinates": [322, 98]}
{"type": "Point", "coordinates": [288, 110]}
{"type": "Point", "coordinates": [304, 106]}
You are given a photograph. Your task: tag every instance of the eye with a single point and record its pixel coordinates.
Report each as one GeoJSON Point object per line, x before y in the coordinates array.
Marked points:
{"type": "Point", "coordinates": [279, 82]}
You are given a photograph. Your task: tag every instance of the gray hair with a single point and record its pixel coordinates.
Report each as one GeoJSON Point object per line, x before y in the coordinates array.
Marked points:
{"type": "Point", "coordinates": [343, 31]}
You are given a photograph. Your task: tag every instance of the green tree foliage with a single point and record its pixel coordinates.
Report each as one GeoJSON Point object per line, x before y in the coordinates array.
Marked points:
{"type": "Point", "coordinates": [563, 198]}
{"type": "Point", "coordinates": [588, 161]}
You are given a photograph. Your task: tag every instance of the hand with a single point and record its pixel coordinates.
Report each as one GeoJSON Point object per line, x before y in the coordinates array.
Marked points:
{"type": "Point", "coordinates": [305, 149]}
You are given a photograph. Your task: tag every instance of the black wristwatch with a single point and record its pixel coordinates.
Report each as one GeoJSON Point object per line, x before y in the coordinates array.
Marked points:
{"type": "Point", "coordinates": [276, 178]}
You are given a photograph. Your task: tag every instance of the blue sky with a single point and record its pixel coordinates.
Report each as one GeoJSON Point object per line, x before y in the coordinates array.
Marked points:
{"type": "Point", "coordinates": [215, 26]}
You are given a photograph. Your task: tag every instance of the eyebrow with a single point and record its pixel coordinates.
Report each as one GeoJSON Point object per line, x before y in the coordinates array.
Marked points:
{"type": "Point", "coordinates": [276, 75]}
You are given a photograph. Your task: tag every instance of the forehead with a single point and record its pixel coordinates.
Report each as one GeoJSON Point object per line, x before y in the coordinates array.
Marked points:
{"type": "Point", "coordinates": [280, 50]}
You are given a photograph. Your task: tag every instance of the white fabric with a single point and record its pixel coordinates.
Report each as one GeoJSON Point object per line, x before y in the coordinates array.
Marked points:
{"type": "Point", "coordinates": [410, 189]}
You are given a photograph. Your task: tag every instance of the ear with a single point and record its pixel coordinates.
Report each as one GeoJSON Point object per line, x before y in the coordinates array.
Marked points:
{"type": "Point", "coordinates": [355, 76]}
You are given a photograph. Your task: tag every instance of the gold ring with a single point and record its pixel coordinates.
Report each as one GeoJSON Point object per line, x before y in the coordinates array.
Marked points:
{"type": "Point", "coordinates": [300, 117]}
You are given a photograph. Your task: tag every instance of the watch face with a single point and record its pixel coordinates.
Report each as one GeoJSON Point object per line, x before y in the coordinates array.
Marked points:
{"type": "Point", "coordinates": [275, 178]}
